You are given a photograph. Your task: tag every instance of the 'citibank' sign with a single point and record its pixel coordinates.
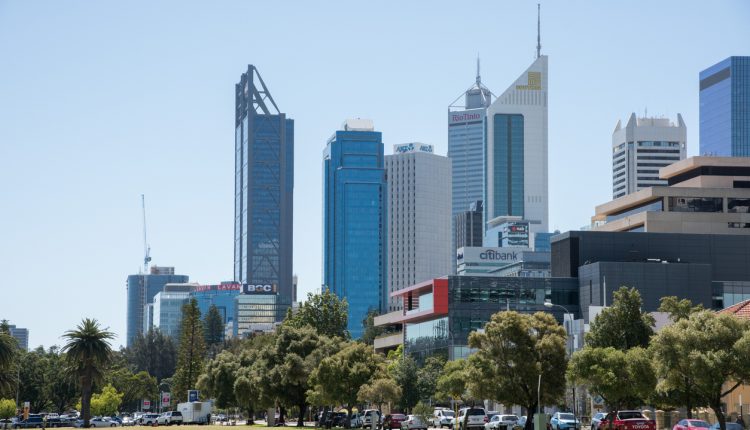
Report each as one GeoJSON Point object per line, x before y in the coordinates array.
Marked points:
{"type": "Point", "coordinates": [498, 256]}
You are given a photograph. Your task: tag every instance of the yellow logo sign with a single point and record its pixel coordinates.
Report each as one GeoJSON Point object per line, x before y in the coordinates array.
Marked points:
{"type": "Point", "coordinates": [534, 82]}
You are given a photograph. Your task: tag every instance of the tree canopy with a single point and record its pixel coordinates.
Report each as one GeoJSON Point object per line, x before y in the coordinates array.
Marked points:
{"type": "Point", "coordinates": [191, 352]}
{"type": "Point", "coordinates": [623, 325]}
{"type": "Point", "coordinates": [154, 353]}
{"type": "Point", "coordinates": [324, 312]}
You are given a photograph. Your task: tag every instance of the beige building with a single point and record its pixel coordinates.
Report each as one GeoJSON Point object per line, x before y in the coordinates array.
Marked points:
{"type": "Point", "coordinates": [708, 195]}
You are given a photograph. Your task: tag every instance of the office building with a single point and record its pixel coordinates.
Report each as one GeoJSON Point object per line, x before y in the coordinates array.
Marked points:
{"type": "Point", "coordinates": [264, 186]}
{"type": "Point", "coordinates": [507, 232]}
{"type": "Point", "coordinates": [141, 290]}
{"type": "Point", "coordinates": [220, 295]}
{"type": "Point", "coordinates": [419, 216]}
{"type": "Point", "coordinates": [511, 262]}
{"type": "Point", "coordinates": [355, 220]}
{"type": "Point", "coordinates": [256, 312]}
{"type": "Point", "coordinates": [167, 308]}
{"type": "Point", "coordinates": [725, 108]}
{"type": "Point", "coordinates": [708, 195]}
{"type": "Point", "coordinates": [21, 335]}
{"type": "Point", "coordinates": [641, 148]}
{"type": "Point", "coordinates": [515, 170]}
{"type": "Point", "coordinates": [469, 229]}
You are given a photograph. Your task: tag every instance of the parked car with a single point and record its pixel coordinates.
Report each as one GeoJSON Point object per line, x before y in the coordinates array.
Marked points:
{"type": "Point", "coordinates": [367, 418]}
{"type": "Point", "coordinates": [522, 421]}
{"type": "Point", "coordinates": [148, 419]}
{"type": "Point", "coordinates": [471, 418]}
{"type": "Point", "coordinates": [730, 426]}
{"type": "Point", "coordinates": [500, 422]}
{"type": "Point", "coordinates": [691, 424]}
{"type": "Point", "coordinates": [443, 418]}
{"type": "Point", "coordinates": [596, 419]}
{"type": "Point", "coordinates": [393, 421]}
{"type": "Point", "coordinates": [33, 421]}
{"type": "Point", "coordinates": [127, 420]}
{"type": "Point", "coordinates": [413, 422]}
{"type": "Point", "coordinates": [564, 421]}
{"type": "Point", "coordinates": [627, 420]}
{"type": "Point", "coordinates": [103, 422]}
{"type": "Point", "coordinates": [170, 417]}
{"type": "Point", "coordinates": [356, 420]}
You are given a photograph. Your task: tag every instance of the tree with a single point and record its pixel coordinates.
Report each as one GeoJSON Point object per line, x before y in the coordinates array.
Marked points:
{"type": "Point", "coordinates": [154, 353]}
{"type": "Point", "coordinates": [107, 402]}
{"type": "Point", "coordinates": [452, 381]}
{"type": "Point", "coordinates": [698, 355]}
{"type": "Point", "coordinates": [622, 325]}
{"type": "Point", "coordinates": [8, 352]}
{"type": "Point", "coordinates": [213, 326]}
{"type": "Point", "coordinates": [338, 378]}
{"type": "Point", "coordinates": [514, 350]}
{"type": "Point", "coordinates": [404, 372]}
{"type": "Point", "coordinates": [218, 379]}
{"type": "Point", "coordinates": [324, 312]}
{"type": "Point", "coordinates": [678, 309]}
{"type": "Point", "coordinates": [134, 387]}
{"type": "Point", "coordinates": [427, 376]}
{"type": "Point", "coordinates": [246, 387]}
{"type": "Point", "coordinates": [7, 409]}
{"type": "Point", "coordinates": [371, 331]}
{"type": "Point", "coordinates": [191, 351]}
{"type": "Point", "coordinates": [378, 391]}
{"type": "Point", "coordinates": [32, 376]}
{"type": "Point", "coordinates": [622, 378]}
{"type": "Point", "coordinates": [61, 387]}
{"type": "Point", "coordinates": [87, 353]}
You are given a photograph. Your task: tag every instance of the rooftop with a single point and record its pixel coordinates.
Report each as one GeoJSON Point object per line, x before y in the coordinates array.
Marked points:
{"type": "Point", "coordinates": [741, 309]}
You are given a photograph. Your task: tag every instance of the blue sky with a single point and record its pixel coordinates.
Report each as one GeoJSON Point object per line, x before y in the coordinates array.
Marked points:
{"type": "Point", "coordinates": [102, 101]}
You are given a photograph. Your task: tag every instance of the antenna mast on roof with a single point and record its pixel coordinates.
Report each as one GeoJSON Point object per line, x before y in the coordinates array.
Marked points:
{"type": "Point", "coordinates": [538, 30]}
{"type": "Point", "coordinates": [479, 77]}
{"type": "Point", "coordinates": [146, 248]}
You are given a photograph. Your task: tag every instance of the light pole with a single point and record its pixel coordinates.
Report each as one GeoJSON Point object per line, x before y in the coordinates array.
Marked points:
{"type": "Point", "coordinates": [570, 348]}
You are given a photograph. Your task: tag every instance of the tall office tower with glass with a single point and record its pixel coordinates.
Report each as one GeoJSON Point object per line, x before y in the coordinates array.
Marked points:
{"type": "Point", "coordinates": [355, 220]}
{"type": "Point", "coordinates": [264, 186]}
{"type": "Point", "coordinates": [516, 152]}
{"type": "Point", "coordinates": [142, 289]}
{"type": "Point", "coordinates": [419, 217]}
{"type": "Point", "coordinates": [641, 148]}
{"type": "Point", "coordinates": [725, 108]}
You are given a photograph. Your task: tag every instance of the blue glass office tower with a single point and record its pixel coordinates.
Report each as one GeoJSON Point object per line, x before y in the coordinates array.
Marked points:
{"type": "Point", "coordinates": [354, 219]}
{"type": "Point", "coordinates": [725, 108]}
{"type": "Point", "coordinates": [264, 185]}
{"type": "Point", "coordinates": [222, 296]}
{"type": "Point", "coordinates": [142, 289]}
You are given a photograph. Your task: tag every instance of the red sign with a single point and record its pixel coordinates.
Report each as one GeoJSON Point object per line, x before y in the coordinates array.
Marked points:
{"type": "Point", "coordinates": [219, 287]}
{"type": "Point", "coordinates": [146, 404]}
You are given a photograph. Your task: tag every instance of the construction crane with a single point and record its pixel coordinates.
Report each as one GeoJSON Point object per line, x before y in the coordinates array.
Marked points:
{"type": "Point", "coordinates": [146, 248]}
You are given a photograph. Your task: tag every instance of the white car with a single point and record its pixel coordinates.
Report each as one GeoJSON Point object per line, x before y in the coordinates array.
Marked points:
{"type": "Point", "coordinates": [413, 422]}
{"type": "Point", "coordinates": [367, 418]}
{"type": "Point", "coordinates": [443, 418]}
{"type": "Point", "coordinates": [471, 418]}
{"type": "Point", "coordinates": [103, 422]}
{"type": "Point", "coordinates": [170, 417]}
{"type": "Point", "coordinates": [500, 422]}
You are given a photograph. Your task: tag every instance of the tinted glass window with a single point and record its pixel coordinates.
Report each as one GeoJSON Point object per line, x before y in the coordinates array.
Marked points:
{"type": "Point", "coordinates": [566, 417]}
{"type": "Point", "coordinates": [476, 412]}
{"type": "Point", "coordinates": [702, 424]}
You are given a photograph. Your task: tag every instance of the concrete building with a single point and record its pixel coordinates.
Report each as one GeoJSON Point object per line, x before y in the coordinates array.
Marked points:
{"type": "Point", "coordinates": [256, 312]}
{"type": "Point", "coordinates": [141, 290]}
{"type": "Point", "coordinates": [355, 230]}
{"type": "Point", "coordinates": [641, 148]}
{"type": "Point", "coordinates": [708, 195]}
{"type": "Point", "coordinates": [515, 171]}
{"type": "Point", "coordinates": [167, 308]}
{"type": "Point", "coordinates": [264, 188]}
{"type": "Point", "coordinates": [469, 228]}
{"type": "Point", "coordinates": [419, 217]}
{"type": "Point", "coordinates": [21, 335]}
{"type": "Point", "coordinates": [725, 108]}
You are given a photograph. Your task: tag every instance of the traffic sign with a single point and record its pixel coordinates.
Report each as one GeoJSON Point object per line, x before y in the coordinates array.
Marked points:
{"type": "Point", "coordinates": [165, 399]}
{"type": "Point", "coordinates": [146, 404]}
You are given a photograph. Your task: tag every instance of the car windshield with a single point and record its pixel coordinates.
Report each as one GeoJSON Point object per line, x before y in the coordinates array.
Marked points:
{"type": "Point", "coordinates": [475, 412]}
{"type": "Point", "coordinates": [629, 415]}
{"type": "Point", "coordinates": [566, 417]}
{"type": "Point", "coordinates": [510, 418]}
{"type": "Point", "coordinates": [398, 416]}
{"type": "Point", "coordinates": [702, 424]}
{"type": "Point", "coordinates": [449, 413]}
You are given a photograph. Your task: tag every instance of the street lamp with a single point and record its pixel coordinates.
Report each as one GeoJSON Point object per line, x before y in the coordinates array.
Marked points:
{"type": "Point", "coordinates": [550, 305]}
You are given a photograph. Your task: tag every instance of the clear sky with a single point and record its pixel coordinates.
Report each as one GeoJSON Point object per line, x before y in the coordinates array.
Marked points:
{"type": "Point", "coordinates": [101, 101]}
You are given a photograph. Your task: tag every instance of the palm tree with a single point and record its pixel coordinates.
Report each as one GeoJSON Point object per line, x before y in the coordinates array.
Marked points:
{"type": "Point", "coordinates": [8, 351]}
{"type": "Point", "coordinates": [87, 354]}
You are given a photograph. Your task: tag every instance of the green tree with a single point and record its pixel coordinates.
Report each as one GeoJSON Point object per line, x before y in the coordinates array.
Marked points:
{"type": "Point", "coordinates": [623, 325]}
{"type": "Point", "coordinates": [404, 372]}
{"type": "Point", "coordinates": [707, 355]}
{"type": "Point", "coordinates": [371, 331]}
{"type": "Point", "coordinates": [379, 391]}
{"type": "Point", "coordinates": [134, 387]}
{"type": "Point", "coordinates": [423, 411]}
{"type": "Point", "coordinates": [218, 379]}
{"type": "Point", "coordinates": [154, 353]}
{"type": "Point", "coordinates": [107, 402]}
{"type": "Point", "coordinates": [338, 378]}
{"type": "Point", "coordinates": [61, 387]}
{"type": "Point", "coordinates": [427, 376]}
{"type": "Point", "coordinates": [622, 378]}
{"type": "Point", "coordinates": [324, 312]}
{"type": "Point", "coordinates": [33, 382]}
{"type": "Point", "coordinates": [514, 350]}
{"type": "Point", "coordinates": [213, 326]}
{"type": "Point", "coordinates": [87, 353]}
{"type": "Point", "coordinates": [452, 381]}
{"type": "Point", "coordinates": [678, 309]}
{"type": "Point", "coordinates": [191, 352]}
{"type": "Point", "coordinates": [7, 408]}
{"type": "Point", "coordinates": [8, 352]}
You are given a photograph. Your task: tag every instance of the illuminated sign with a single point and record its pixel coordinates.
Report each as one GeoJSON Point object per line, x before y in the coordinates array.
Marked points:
{"type": "Point", "coordinates": [232, 286]}
{"type": "Point", "coordinates": [259, 288]}
{"type": "Point", "coordinates": [462, 117]}
{"type": "Point", "coordinates": [412, 147]}
{"type": "Point", "coordinates": [534, 82]}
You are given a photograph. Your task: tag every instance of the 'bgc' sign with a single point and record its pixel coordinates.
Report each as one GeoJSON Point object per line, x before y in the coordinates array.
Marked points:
{"type": "Point", "coordinates": [259, 288]}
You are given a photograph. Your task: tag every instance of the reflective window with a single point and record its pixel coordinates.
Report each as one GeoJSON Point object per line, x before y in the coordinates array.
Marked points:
{"type": "Point", "coordinates": [696, 204]}
{"type": "Point", "coordinates": [736, 205]}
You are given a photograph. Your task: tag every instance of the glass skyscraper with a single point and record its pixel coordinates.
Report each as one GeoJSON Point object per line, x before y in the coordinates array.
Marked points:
{"type": "Point", "coordinates": [354, 218]}
{"type": "Point", "coordinates": [142, 289]}
{"type": "Point", "coordinates": [264, 185]}
{"type": "Point", "coordinates": [725, 108]}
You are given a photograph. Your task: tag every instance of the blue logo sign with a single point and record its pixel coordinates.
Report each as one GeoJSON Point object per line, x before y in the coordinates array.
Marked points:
{"type": "Point", "coordinates": [192, 395]}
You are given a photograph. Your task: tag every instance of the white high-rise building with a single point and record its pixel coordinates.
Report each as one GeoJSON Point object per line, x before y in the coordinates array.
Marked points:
{"type": "Point", "coordinates": [419, 217]}
{"type": "Point", "coordinates": [516, 152]}
{"type": "Point", "coordinates": [641, 148]}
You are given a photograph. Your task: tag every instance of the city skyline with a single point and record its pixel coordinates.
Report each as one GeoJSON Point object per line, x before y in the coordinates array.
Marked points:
{"type": "Point", "coordinates": [99, 113]}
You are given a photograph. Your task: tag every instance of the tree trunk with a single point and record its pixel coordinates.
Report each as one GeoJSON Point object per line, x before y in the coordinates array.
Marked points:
{"type": "Point", "coordinates": [250, 416]}
{"type": "Point", "coordinates": [719, 415]}
{"type": "Point", "coordinates": [530, 417]}
{"type": "Point", "coordinates": [688, 400]}
{"type": "Point", "coordinates": [302, 411]}
{"type": "Point", "coordinates": [86, 400]}
{"type": "Point", "coordinates": [282, 415]}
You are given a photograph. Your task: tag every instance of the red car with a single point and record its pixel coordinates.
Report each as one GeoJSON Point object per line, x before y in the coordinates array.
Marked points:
{"type": "Point", "coordinates": [627, 420]}
{"type": "Point", "coordinates": [691, 424]}
{"type": "Point", "coordinates": [393, 421]}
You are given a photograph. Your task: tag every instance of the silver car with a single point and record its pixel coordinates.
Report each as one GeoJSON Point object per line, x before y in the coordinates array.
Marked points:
{"type": "Point", "coordinates": [413, 422]}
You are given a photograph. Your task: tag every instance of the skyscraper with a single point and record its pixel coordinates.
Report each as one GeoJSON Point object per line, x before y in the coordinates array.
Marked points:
{"type": "Point", "coordinates": [141, 291]}
{"type": "Point", "coordinates": [641, 148]}
{"type": "Point", "coordinates": [419, 217]}
{"type": "Point", "coordinates": [355, 220]}
{"type": "Point", "coordinates": [466, 145]}
{"type": "Point", "coordinates": [21, 335]}
{"type": "Point", "coordinates": [469, 229]}
{"type": "Point", "coordinates": [264, 186]}
{"type": "Point", "coordinates": [725, 108]}
{"type": "Point", "coordinates": [516, 151]}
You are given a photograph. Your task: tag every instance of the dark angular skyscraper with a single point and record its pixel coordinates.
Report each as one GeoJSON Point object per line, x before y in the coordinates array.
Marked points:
{"type": "Point", "coordinates": [264, 185]}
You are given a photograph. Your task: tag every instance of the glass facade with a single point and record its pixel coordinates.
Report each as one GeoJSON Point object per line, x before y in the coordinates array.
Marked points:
{"type": "Point", "coordinates": [256, 313]}
{"type": "Point", "coordinates": [223, 300]}
{"type": "Point", "coordinates": [355, 242]}
{"type": "Point", "coordinates": [508, 165]}
{"type": "Point", "coordinates": [466, 152]}
{"type": "Point", "coordinates": [168, 312]}
{"type": "Point", "coordinates": [725, 108]}
{"type": "Point", "coordinates": [141, 291]}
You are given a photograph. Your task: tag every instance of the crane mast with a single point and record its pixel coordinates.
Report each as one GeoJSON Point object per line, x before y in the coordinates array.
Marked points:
{"type": "Point", "coordinates": [146, 248]}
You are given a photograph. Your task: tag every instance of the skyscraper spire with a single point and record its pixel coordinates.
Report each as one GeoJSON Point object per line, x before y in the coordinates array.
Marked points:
{"type": "Point", "coordinates": [479, 78]}
{"type": "Point", "coordinates": [538, 30]}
